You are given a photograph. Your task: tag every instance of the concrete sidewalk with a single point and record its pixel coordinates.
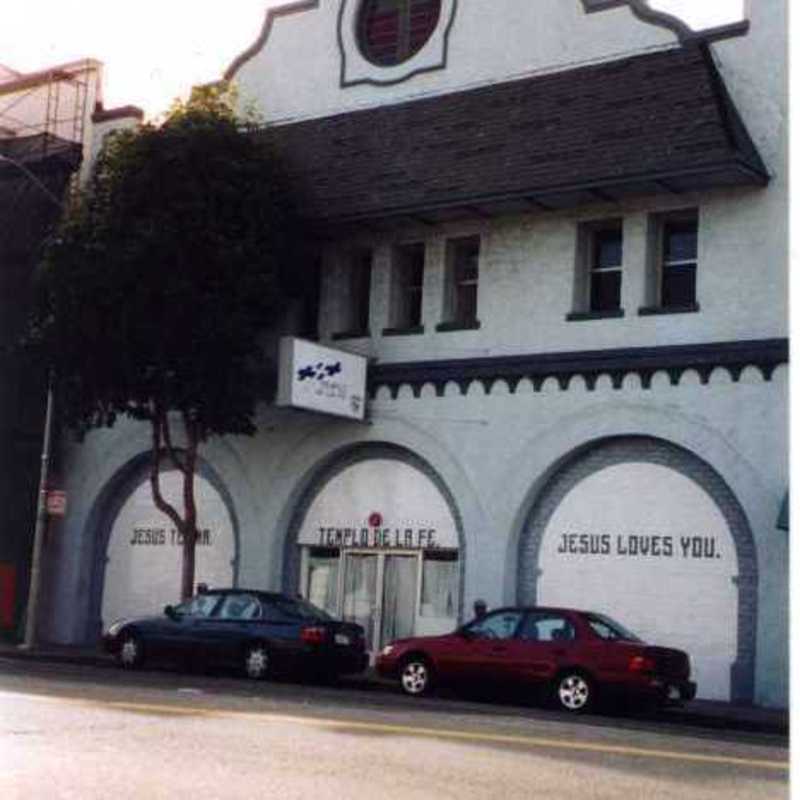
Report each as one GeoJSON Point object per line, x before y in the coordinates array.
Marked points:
{"type": "Point", "coordinates": [697, 713]}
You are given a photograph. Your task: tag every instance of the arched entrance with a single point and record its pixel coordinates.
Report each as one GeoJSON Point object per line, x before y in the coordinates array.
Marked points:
{"type": "Point", "coordinates": [647, 532]}
{"type": "Point", "coordinates": [376, 541]}
{"type": "Point", "coordinates": [138, 564]}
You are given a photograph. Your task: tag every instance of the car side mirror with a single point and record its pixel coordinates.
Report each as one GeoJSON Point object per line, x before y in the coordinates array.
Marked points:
{"type": "Point", "coordinates": [171, 612]}
{"type": "Point", "coordinates": [465, 633]}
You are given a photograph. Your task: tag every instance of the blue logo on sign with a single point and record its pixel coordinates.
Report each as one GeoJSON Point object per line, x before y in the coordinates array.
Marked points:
{"type": "Point", "coordinates": [319, 371]}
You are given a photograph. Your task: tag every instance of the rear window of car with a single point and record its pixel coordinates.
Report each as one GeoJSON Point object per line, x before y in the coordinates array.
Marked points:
{"type": "Point", "coordinates": [296, 609]}
{"type": "Point", "coordinates": [607, 628]}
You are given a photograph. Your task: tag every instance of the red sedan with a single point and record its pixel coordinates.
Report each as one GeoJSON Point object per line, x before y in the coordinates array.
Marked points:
{"type": "Point", "coordinates": [575, 654]}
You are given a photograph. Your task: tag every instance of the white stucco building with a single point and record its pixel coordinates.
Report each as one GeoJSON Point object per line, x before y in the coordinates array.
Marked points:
{"type": "Point", "coordinates": [558, 231]}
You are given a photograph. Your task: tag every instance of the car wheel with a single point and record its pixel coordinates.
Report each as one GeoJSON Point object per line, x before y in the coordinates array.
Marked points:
{"type": "Point", "coordinates": [131, 651]}
{"type": "Point", "coordinates": [257, 662]}
{"type": "Point", "coordinates": [574, 691]}
{"type": "Point", "coordinates": [416, 676]}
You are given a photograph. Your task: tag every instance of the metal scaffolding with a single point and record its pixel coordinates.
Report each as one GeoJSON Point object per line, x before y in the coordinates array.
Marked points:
{"type": "Point", "coordinates": [43, 113]}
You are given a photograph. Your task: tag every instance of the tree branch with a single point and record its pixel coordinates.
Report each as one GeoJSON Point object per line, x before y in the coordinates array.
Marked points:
{"type": "Point", "coordinates": [155, 485]}
{"type": "Point", "coordinates": [167, 434]}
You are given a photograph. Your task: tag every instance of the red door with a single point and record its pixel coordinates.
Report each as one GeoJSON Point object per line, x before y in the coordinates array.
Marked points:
{"type": "Point", "coordinates": [479, 652]}
{"type": "Point", "coordinates": [544, 642]}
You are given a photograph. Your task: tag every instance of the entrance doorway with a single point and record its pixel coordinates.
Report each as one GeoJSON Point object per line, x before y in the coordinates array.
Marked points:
{"type": "Point", "coordinates": [390, 594]}
{"type": "Point", "coordinates": [378, 545]}
{"type": "Point", "coordinates": [380, 594]}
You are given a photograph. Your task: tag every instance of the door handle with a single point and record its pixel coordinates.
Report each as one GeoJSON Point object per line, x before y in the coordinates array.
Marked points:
{"type": "Point", "coordinates": [499, 649]}
{"type": "Point", "coordinates": [560, 652]}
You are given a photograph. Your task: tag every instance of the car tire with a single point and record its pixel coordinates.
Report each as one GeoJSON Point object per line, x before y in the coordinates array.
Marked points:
{"type": "Point", "coordinates": [574, 691]}
{"type": "Point", "coordinates": [131, 651]}
{"type": "Point", "coordinates": [416, 676]}
{"type": "Point", "coordinates": [257, 662]}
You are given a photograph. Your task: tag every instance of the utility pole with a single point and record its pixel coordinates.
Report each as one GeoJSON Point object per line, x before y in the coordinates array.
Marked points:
{"type": "Point", "coordinates": [31, 615]}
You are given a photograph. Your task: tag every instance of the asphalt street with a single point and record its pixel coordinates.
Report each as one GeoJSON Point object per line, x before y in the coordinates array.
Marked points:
{"type": "Point", "coordinates": [69, 731]}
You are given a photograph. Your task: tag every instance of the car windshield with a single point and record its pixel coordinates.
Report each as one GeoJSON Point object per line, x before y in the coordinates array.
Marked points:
{"type": "Point", "coordinates": [607, 628]}
{"type": "Point", "coordinates": [299, 607]}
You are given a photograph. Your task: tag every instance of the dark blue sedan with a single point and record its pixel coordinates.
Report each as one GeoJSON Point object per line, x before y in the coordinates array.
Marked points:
{"type": "Point", "coordinates": [260, 633]}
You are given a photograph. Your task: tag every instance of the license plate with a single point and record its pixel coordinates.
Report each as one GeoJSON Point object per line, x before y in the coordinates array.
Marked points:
{"type": "Point", "coordinates": [674, 693]}
{"type": "Point", "coordinates": [342, 639]}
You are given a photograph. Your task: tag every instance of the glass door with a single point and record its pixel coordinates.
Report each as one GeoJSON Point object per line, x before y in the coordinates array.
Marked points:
{"type": "Point", "coordinates": [379, 592]}
{"type": "Point", "coordinates": [399, 597]}
{"type": "Point", "coordinates": [360, 593]}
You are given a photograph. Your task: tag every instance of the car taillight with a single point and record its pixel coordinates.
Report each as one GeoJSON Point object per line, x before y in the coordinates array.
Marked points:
{"type": "Point", "coordinates": [641, 664]}
{"type": "Point", "coordinates": [313, 635]}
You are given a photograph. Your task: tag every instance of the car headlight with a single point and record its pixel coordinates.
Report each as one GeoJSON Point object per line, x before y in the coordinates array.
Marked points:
{"type": "Point", "coordinates": [387, 650]}
{"type": "Point", "coordinates": [115, 627]}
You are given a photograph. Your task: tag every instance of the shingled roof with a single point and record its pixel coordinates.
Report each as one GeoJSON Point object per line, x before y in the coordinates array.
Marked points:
{"type": "Point", "coordinates": [659, 122]}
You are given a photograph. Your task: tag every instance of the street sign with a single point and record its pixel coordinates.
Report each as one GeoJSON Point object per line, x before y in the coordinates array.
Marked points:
{"type": "Point", "coordinates": [56, 503]}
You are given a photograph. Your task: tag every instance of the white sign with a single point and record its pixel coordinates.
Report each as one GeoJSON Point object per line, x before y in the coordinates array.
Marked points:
{"type": "Point", "coordinates": [646, 545]}
{"type": "Point", "coordinates": [321, 379]}
{"type": "Point", "coordinates": [380, 504]}
{"type": "Point", "coordinates": [143, 571]}
{"type": "Point", "coordinates": [56, 502]}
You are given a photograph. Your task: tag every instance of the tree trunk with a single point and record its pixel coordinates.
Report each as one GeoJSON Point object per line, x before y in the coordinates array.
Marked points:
{"type": "Point", "coordinates": [189, 511]}
{"type": "Point", "coordinates": [186, 463]}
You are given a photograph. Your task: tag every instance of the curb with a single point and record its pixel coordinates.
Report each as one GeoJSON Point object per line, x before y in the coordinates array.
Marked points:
{"type": "Point", "coordinates": [705, 714]}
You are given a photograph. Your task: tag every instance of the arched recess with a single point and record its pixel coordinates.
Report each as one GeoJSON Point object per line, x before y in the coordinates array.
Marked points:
{"type": "Point", "coordinates": [640, 528]}
{"type": "Point", "coordinates": [111, 502]}
{"type": "Point", "coordinates": [355, 531]}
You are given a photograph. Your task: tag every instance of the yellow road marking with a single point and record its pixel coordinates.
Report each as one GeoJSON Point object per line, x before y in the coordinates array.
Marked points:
{"type": "Point", "coordinates": [435, 733]}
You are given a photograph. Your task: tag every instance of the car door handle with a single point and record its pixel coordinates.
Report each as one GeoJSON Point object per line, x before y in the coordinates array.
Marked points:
{"type": "Point", "coordinates": [559, 652]}
{"type": "Point", "coordinates": [499, 649]}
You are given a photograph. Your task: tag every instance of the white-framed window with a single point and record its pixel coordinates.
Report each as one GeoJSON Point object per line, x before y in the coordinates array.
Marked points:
{"type": "Point", "coordinates": [598, 272]}
{"type": "Point", "coordinates": [462, 258]}
{"type": "Point", "coordinates": [408, 273]}
{"type": "Point", "coordinates": [672, 277]}
{"type": "Point", "coordinates": [355, 296]}
{"type": "Point", "coordinates": [679, 260]}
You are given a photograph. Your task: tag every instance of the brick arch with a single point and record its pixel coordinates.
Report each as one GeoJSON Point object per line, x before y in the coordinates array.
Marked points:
{"type": "Point", "coordinates": [317, 478]}
{"type": "Point", "coordinates": [591, 458]}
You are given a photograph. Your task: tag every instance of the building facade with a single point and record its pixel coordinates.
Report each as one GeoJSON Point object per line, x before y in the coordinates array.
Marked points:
{"type": "Point", "coordinates": [51, 124]}
{"type": "Point", "coordinates": [558, 231]}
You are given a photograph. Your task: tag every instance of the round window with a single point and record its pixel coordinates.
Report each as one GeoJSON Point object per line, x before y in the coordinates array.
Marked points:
{"type": "Point", "coordinates": [391, 31]}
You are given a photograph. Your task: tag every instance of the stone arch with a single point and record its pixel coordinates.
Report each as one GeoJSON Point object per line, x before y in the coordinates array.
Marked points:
{"type": "Point", "coordinates": [588, 460]}
{"type": "Point", "coordinates": [315, 479]}
{"type": "Point", "coordinates": [104, 511]}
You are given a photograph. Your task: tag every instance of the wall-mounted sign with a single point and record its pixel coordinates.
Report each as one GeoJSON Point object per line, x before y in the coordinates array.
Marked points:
{"type": "Point", "coordinates": [378, 538]}
{"type": "Point", "coordinates": [322, 379]}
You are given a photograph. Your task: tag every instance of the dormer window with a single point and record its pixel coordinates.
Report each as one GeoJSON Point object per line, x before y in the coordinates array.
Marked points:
{"type": "Point", "coordinates": [392, 31]}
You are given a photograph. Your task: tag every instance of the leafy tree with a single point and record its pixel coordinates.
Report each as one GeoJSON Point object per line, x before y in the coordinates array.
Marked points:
{"type": "Point", "coordinates": [154, 291]}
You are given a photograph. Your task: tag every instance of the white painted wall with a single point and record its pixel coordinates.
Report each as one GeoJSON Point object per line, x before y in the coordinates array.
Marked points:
{"type": "Point", "coordinates": [144, 557]}
{"type": "Point", "coordinates": [405, 499]}
{"type": "Point", "coordinates": [659, 557]}
{"type": "Point", "coordinates": [296, 73]}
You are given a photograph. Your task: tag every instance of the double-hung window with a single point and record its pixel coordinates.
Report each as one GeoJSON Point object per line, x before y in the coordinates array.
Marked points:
{"type": "Point", "coordinates": [408, 272]}
{"type": "Point", "coordinates": [679, 262]}
{"type": "Point", "coordinates": [605, 279]}
{"type": "Point", "coordinates": [461, 284]}
{"type": "Point", "coordinates": [598, 284]}
{"type": "Point", "coordinates": [354, 319]}
{"type": "Point", "coordinates": [672, 277]}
